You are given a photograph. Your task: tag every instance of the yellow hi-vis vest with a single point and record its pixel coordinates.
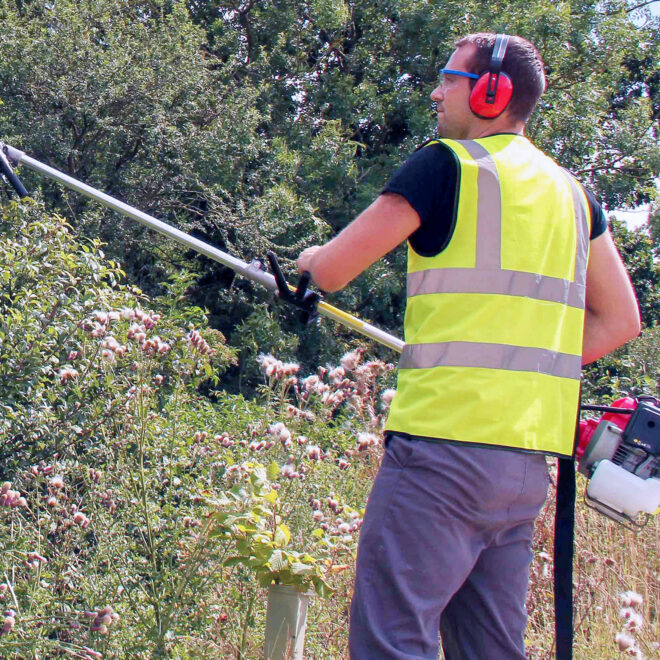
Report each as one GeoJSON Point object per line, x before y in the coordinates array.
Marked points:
{"type": "Point", "coordinates": [494, 323]}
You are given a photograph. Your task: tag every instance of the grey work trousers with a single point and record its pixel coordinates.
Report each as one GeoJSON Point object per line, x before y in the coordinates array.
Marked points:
{"type": "Point", "coordinates": [445, 547]}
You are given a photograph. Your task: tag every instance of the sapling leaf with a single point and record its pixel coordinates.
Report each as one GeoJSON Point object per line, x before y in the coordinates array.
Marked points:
{"type": "Point", "coordinates": [322, 588]}
{"type": "Point", "coordinates": [273, 471]}
{"type": "Point", "coordinates": [282, 535]}
{"type": "Point", "coordinates": [265, 580]}
{"type": "Point", "coordinates": [278, 562]}
{"type": "Point", "coordinates": [301, 569]}
{"type": "Point", "coordinates": [271, 497]}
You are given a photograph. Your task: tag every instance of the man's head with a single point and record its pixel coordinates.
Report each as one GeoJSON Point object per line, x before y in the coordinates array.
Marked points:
{"type": "Point", "coordinates": [523, 66]}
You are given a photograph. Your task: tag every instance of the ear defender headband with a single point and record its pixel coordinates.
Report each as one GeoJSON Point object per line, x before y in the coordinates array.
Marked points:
{"type": "Point", "coordinates": [493, 90]}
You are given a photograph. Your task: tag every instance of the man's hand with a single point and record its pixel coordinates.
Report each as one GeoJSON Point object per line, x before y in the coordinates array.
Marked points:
{"type": "Point", "coordinates": [304, 261]}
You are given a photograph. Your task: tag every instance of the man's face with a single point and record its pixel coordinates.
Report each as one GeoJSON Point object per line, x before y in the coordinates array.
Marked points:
{"type": "Point", "coordinates": [452, 95]}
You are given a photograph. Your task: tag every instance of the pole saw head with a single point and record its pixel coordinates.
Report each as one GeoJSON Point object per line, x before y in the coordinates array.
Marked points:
{"type": "Point", "coordinates": [620, 456]}
{"type": "Point", "coordinates": [8, 174]}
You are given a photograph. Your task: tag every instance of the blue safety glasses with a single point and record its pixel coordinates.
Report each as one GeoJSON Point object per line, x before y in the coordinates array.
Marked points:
{"type": "Point", "coordinates": [453, 72]}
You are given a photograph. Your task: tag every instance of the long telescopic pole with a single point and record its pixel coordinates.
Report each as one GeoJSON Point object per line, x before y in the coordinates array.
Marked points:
{"type": "Point", "coordinates": [251, 271]}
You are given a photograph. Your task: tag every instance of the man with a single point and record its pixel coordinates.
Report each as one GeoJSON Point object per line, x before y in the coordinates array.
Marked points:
{"type": "Point", "coordinates": [497, 326]}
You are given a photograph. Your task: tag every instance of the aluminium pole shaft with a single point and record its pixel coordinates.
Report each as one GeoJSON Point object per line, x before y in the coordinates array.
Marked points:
{"type": "Point", "coordinates": [250, 271]}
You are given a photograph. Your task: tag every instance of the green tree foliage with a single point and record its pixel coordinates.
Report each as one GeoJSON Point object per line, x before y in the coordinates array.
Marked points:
{"type": "Point", "coordinates": [263, 124]}
{"type": "Point", "coordinates": [632, 368]}
{"type": "Point", "coordinates": [636, 248]}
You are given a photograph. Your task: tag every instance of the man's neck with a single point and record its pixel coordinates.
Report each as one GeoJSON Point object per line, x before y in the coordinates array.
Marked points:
{"type": "Point", "coordinates": [495, 127]}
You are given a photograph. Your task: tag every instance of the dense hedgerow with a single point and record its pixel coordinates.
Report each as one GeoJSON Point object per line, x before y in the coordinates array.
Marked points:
{"type": "Point", "coordinates": [112, 535]}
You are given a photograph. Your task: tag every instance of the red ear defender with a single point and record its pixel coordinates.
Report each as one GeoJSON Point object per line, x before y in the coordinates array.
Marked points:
{"type": "Point", "coordinates": [492, 92]}
{"type": "Point", "coordinates": [479, 101]}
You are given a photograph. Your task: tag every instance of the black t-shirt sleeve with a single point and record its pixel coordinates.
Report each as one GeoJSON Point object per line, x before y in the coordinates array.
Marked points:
{"type": "Point", "coordinates": [428, 181]}
{"type": "Point", "coordinates": [598, 219]}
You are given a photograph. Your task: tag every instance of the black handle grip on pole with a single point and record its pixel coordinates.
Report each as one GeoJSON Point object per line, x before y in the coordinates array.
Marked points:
{"type": "Point", "coordinates": [611, 409]}
{"type": "Point", "coordinates": [302, 298]}
{"type": "Point", "coordinates": [8, 173]}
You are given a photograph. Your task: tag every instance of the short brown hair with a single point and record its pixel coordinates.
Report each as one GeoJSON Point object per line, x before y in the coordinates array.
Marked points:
{"type": "Point", "coordinates": [522, 63]}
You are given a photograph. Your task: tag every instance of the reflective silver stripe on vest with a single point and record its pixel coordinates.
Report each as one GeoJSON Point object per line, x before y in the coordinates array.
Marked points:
{"type": "Point", "coordinates": [499, 282]}
{"type": "Point", "coordinates": [489, 207]}
{"type": "Point", "coordinates": [582, 231]}
{"type": "Point", "coordinates": [490, 356]}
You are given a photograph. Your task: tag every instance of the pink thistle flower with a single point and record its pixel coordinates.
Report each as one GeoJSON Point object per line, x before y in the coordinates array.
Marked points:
{"type": "Point", "coordinates": [97, 330]}
{"type": "Point", "coordinates": [366, 440]}
{"type": "Point", "coordinates": [290, 368]}
{"type": "Point", "coordinates": [318, 516]}
{"type": "Point", "coordinates": [337, 375]}
{"type": "Point", "coordinates": [270, 365]}
{"type": "Point", "coordinates": [100, 317]}
{"type": "Point", "coordinates": [110, 343]}
{"type": "Point", "coordinates": [630, 599]}
{"type": "Point", "coordinates": [67, 374]}
{"type": "Point", "coordinates": [280, 432]}
{"type": "Point", "coordinates": [351, 360]}
{"type": "Point", "coordinates": [56, 482]}
{"type": "Point", "coordinates": [387, 396]}
{"type": "Point", "coordinates": [134, 330]}
{"type": "Point", "coordinates": [8, 624]}
{"type": "Point", "coordinates": [314, 452]}
{"type": "Point", "coordinates": [151, 321]}
{"type": "Point", "coordinates": [288, 470]}
{"type": "Point", "coordinates": [311, 383]}
{"type": "Point", "coordinates": [108, 356]}
{"type": "Point", "coordinates": [81, 519]}
{"type": "Point", "coordinates": [634, 622]}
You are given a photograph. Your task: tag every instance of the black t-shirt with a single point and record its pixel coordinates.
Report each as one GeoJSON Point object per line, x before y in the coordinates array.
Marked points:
{"type": "Point", "coordinates": [428, 180]}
